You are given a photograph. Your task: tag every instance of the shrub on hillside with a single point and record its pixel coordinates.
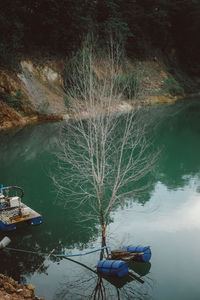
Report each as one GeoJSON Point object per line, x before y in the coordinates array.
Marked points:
{"type": "Point", "coordinates": [172, 86]}
{"type": "Point", "coordinates": [128, 85]}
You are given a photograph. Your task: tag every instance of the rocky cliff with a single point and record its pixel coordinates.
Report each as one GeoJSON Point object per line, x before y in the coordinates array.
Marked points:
{"type": "Point", "coordinates": [32, 93]}
{"type": "Point", "coordinates": [12, 290]}
{"type": "Point", "coordinates": [35, 91]}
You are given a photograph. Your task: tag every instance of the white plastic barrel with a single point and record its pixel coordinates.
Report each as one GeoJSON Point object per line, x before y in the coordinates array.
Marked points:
{"type": "Point", "coordinates": [4, 242]}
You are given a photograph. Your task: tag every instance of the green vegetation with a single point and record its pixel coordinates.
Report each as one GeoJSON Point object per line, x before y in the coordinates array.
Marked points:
{"type": "Point", "coordinates": [19, 94]}
{"type": "Point", "coordinates": [13, 101]}
{"type": "Point", "coordinates": [128, 85]}
{"type": "Point", "coordinates": [89, 69]}
{"type": "Point", "coordinates": [186, 83]}
{"type": "Point", "coordinates": [57, 27]}
{"type": "Point", "coordinates": [177, 83]}
{"type": "Point", "coordinates": [43, 107]}
{"type": "Point", "coordinates": [172, 86]}
{"type": "Point", "coordinates": [67, 101]}
{"type": "Point", "coordinates": [77, 75]}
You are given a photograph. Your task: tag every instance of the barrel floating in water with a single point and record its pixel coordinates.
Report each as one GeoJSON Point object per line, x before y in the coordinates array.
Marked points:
{"type": "Point", "coordinates": [145, 257]}
{"type": "Point", "coordinates": [117, 268]}
{"type": "Point", "coordinates": [35, 221]}
{"type": "Point", "coordinates": [4, 242]}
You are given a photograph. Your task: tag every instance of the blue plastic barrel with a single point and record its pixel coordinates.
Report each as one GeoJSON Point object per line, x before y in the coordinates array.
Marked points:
{"type": "Point", "coordinates": [138, 249]}
{"type": "Point", "coordinates": [117, 268]}
{"type": "Point", "coordinates": [35, 221]}
{"type": "Point", "coordinates": [7, 227]}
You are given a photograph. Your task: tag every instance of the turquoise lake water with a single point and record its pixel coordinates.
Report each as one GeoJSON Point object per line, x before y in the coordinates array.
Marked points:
{"type": "Point", "coordinates": [165, 217]}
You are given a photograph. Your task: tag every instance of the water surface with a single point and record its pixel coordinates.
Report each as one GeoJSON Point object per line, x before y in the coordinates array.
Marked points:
{"type": "Point", "coordinates": [166, 216]}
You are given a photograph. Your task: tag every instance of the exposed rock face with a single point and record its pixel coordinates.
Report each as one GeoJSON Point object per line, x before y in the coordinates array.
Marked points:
{"type": "Point", "coordinates": [11, 118]}
{"type": "Point", "coordinates": [43, 86]}
{"type": "Point", "coordinates": [8, 83]}
{"type": "Point", "coordinates": [11, 290]}
{"type": "Point", "coordinates": [8, 116]}
{"type": "Point", "coordinates": [39, 87]}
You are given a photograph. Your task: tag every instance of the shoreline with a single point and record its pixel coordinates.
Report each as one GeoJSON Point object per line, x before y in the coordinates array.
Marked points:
{"type": "Point", "coordinates": [34, 119]}
{"type": "Point", "coordinates": [10, 289]}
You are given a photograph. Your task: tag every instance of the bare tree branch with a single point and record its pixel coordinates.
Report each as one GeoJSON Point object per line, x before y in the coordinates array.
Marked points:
{"type": "Point", "coordinates": [103, 153]}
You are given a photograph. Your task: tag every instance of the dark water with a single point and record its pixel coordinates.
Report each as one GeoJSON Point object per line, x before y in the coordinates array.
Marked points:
{"type": "Point", "coordinates": [166, 216]}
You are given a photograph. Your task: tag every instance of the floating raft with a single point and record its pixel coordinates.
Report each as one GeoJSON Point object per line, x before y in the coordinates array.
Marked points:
{"type": "Point", "coordinates": [13, 211]}
{"type": "Point", "coordinates": [128, 253]}
{"type": "Point", "coordinates": [116, 268]}
{"type": "Point", "coordinates": [116, 262]}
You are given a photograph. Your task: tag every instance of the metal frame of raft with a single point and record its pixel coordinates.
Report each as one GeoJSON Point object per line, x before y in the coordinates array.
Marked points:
{"type": "Point", "coordinates": [133, 257]}
{"type": "Point", "coordinates": [111, 275]}
{"type": "Point", "coordinates": [109, 267]}
{"type": "Point", "coordinates": [13, 211]}
{"type": "Point", "coordinates": [57, 255]}
{"type": "Point", "coordinates": [115, 264]}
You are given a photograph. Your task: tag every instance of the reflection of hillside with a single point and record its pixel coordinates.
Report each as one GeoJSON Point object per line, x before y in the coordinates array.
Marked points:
{"type": "Point", "coordinates": [178, 136]}
{"type": "Point", "coordinates": [29, 142]}
{"type": "Point", "coordinates": [175, 130]}
{"type": "Point", "coordinates": [27, 159]}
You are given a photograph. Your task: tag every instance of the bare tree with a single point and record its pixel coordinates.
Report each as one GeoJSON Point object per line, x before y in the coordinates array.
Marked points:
{"type": "Point", "coordinates": [103, 152]}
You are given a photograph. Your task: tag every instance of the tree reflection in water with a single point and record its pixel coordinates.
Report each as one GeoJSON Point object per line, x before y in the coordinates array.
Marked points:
{"type": "Point", "coordinates": [96, 286]}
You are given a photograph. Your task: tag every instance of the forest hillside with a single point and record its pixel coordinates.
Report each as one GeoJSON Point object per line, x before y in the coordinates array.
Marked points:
{"type": "Point", "coordinates": [160, 41]}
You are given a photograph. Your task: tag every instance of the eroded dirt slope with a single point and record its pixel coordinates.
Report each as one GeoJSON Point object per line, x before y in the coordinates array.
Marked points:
{"type": "Point", "coordinates": [12, 290]}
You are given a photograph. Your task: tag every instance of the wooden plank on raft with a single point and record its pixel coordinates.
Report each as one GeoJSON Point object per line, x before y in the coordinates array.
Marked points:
{"type": "Point", "coordinates": [123, 254]}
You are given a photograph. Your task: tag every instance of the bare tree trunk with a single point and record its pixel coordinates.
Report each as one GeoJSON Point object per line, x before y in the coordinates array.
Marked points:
{"type": "Point", "coordinates": [107, 152]}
